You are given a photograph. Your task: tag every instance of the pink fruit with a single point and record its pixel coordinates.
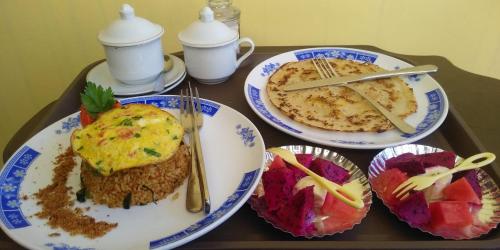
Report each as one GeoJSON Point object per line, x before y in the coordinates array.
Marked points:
{"type": "Point", "coordinates": [461, 190]}
{"type": "Point", "coordinates": [450, 217]}
{"type": "Point", "coordinates": [471, 176]}
{"type": "Point", "coordinates": [278, 186]}
{"type": "Point", "coordinates": [278, 162]}
{"type": "Point", "coordinates": [386, 182]}
{"type": "Point", "coordinates": [340, 215]}
{"type": "Point", "coordinates": [298, 215]}
{"type": "Point", "coordinates": [305, 159]}
{"type": "Point", "coordinates": [414, 210]}
{"type": "Point", "coordinates": [445, 158]}
{"type": "Point", "coordinates": [330, 171]}
{"type": "Point", "coordinates": [407, 163]}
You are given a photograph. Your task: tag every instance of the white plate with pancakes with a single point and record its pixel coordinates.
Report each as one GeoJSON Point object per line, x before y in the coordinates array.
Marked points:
{"type": "Point", "coordinates": [419, 99]}
{"type": "Point", "coordinates": [234, 159]}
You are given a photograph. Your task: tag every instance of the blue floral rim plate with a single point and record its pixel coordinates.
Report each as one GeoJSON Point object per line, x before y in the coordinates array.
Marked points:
{"type": "Point", "coordinates": [431, 100]}
{"type": "Point", "coordinates": [234, 157]}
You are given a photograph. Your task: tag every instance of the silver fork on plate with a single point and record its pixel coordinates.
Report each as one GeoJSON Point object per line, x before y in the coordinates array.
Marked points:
{"type": "Point", "coordinates": [194, 199]}
{"type": "Point", "coordinates": [326, 70]}
{"type": "Point", "coordinates": [196, 111]}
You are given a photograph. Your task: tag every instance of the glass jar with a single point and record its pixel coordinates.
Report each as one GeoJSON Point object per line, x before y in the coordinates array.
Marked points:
{"type": "Point", "coordinates": [225, 12]}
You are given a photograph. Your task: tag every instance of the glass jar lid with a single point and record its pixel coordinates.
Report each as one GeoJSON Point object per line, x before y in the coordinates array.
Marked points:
{"type": "Point", "coordinates": [130, 30]}
{"type": "Point", "coordinates": [207, 32]}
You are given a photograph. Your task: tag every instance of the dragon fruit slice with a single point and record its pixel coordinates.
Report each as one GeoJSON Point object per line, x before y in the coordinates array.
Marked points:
{"type": "Point", "coordinates": [471, 176]}
{"type": "Point", "coordinates": [298, 215]}
{"type": "Point", "coordinates": [330, 171]}
{"type": "Point", "coordinates": [278, 187]}
{"type": "Point", "coordinates": [305, 159]}
{"type": "Point", "coordinates": [414, 210]}
{"type": "Point", "coordinates": [407, 163]}
{"type": "Point", "coordinates": [319, 191]}
{"type": "Point", "coordinates": [445, 158]}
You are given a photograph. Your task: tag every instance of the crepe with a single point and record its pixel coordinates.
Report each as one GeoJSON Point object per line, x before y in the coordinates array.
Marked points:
{"type": "Point", "coordinates": [339, 108]}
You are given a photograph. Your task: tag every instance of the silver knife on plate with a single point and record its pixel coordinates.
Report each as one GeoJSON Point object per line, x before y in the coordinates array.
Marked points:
{"type": "Point", "coordinates": [336, 81]}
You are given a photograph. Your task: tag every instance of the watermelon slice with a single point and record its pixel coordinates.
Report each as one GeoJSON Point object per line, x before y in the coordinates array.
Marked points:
{"type": "Point", "coordinates": [450, 217]}
{"type": "Point", "coordinates": [414, 210]}
{"type": "Point", "coordinates": [340, 215]}
{"type": "Point", "coordinates": [386, 182]}
{"type": "Point", "coordinates": [298, 215]}
{"type": "Point", "coordinates": [277, 162]}
{"type": "Point", "coordinates": [461, 190]}
{"type": "Point", "coordinates": [330, 171]}
{"type": "Point", "coordinates": [445, 158]}
{"type": "Point", "coordinates": [407, 163]}
{"type": "Point", "coordinates": [278, 186]}
{"type": "Point", "coordinates": [471, 176]}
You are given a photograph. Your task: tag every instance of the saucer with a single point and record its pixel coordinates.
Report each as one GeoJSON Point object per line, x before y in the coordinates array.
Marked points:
{"type": "Point", "coordinates": [101, 75]}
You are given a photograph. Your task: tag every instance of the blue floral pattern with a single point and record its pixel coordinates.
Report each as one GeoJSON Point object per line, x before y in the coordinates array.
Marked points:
{"type": "Point", "coordinates": [434, 112]}
{"type": "Point", "coordinates": [64, 246]}
{"type": "Point", "coordinates": [172, 102]}
{"type": "Point", "coordinates": [348, 54]}
{"type": "Point", "coordinates": [69, 125]}
{"type": "Point", "coordinates": [246, 134]}
{"type": "Point", "coordinates": [245, 185]}
{"type": "Point", "coordinates": [268, 69]}
{"type": "Point", "coordinates": [259, 105]}
{"type": "Point", "coordinates": [352, 142]}
{"type": "Point", "coordinates": [10, 183]}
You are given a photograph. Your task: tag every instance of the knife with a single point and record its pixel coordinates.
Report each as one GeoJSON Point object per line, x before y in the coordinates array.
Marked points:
{"type": "Point", "coordinates": [336, 81]}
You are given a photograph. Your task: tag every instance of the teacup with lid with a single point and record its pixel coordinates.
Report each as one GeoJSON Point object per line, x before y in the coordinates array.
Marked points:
{"type": "Point", "coordinates": [210, 49]}
{"type": "Point", "coordinates": [133, 48]}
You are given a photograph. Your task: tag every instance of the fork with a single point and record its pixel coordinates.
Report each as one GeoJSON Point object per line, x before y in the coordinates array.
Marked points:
{"type": "Point", "coordinates": [421, 182]}
{"type": "Point", "coordinates": [197, 122]}
{"type": "Point", "coordinates": [326, 70]}
{"type": "Point", "coordinates": [194, 199]}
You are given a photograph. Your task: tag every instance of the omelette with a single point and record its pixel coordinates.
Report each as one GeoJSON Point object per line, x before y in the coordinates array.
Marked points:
{"type": "Point", "coordinates": [339, 108]}
{"type": "Point", "coordinates": [131, 136]}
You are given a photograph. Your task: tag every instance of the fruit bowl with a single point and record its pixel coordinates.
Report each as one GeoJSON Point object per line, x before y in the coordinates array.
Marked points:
{"type": "Point", "coordinates": [465, 206]}
{"type": "Point", "coordinates": [302, 210]}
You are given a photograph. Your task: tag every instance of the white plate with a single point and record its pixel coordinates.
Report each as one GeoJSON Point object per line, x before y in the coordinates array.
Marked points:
{"type": "Point", "coordinates": [101, 75]}
{"type": "Point", "coordinates": [234, 158]}
{"type": "Point", "coordinates": [431, 99]}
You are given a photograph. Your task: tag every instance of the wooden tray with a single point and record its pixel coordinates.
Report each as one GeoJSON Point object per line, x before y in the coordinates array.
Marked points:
{"type": "Point", "coordinates": [379, 230]}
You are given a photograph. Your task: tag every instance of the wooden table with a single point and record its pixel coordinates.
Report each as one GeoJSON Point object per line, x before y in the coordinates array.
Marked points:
{"type": "Point", "coordinates": [471, 96]}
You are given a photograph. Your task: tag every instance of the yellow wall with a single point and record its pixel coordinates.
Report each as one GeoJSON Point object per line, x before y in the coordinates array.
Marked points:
{"type": "Point", "coordinates": [44, 44]}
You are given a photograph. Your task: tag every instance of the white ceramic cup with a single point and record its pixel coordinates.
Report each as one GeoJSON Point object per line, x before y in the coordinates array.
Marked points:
{"type": "Point", "coordinates": [215, 64]}
{"type": "Point", "coordinates": [137, 64]}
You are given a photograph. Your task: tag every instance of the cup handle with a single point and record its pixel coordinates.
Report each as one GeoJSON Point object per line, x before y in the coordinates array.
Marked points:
{"type": "Point", "coordinates": [249, 52]}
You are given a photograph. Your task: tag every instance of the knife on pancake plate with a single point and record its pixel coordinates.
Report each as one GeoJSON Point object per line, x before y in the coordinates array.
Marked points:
{"type": "Point", "coordinates": [336, 81]}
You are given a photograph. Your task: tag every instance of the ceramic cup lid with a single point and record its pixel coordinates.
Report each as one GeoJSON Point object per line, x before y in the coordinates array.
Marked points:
{"type": "Point", "coordinates": [130, 30]}
{"type": "Point", "coordinates": [207, 32]}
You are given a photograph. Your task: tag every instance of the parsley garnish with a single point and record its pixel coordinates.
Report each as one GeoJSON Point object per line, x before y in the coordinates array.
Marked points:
{"type": "Point", "coordinates": [151, 151]}
{"type": "Point", "coordinates": [137, 135]}
{"type": "Point", "coordinates": [96, 99]}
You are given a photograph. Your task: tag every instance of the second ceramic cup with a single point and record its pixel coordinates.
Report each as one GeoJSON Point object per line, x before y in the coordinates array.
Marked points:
{"type": "Point", "coordinates": [210, 49]}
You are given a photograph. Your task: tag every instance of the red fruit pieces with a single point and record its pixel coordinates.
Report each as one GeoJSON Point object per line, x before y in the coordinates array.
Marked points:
{"type": "Point", "coordinates": [305, 159]}
{"type": "Point", "coordinates": [340, 215]}
{"type": "Point", "coordinates": [407, 163]}
{"type": "Point", "coordinates": [277, 162]}
{"type": "Point", "coordinates": [414, 210]}
{"type": "Point", "coordinates": [298, 215]}
{"type": "Point", "coordinates": [471, 176]}
{"type": "Point", "coordinates": [386, 182]}
{"type": "Point", "coordinates": [450, 215]}
{"type": "Point", "coordinates": [330, 171]}
{"type": "Point", "coordinates": [445, 159]}
{"type": "Point", "coordinates": [461, 190]}
{"type": "Point", "coordinates": [278, 186]}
